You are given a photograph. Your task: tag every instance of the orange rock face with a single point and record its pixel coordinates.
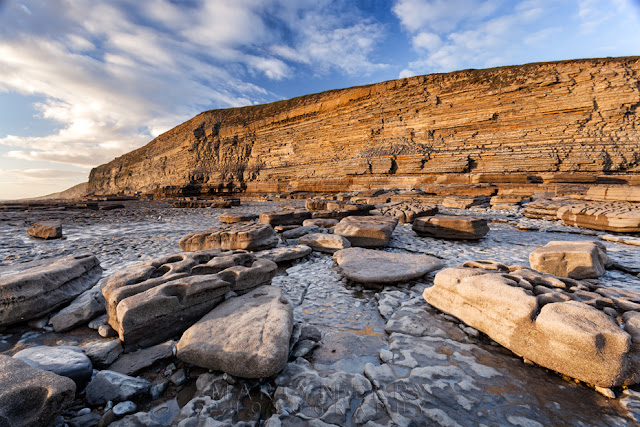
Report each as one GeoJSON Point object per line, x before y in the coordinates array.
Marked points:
{"type": "Point", "coordinates": [557, 119]}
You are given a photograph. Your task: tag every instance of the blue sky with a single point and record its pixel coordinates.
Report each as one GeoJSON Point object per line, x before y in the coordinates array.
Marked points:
{"type": "Point", "coordinates": [84, 81]}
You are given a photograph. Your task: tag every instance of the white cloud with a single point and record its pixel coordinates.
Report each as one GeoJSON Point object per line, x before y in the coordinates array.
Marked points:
{"type": "Point", "coordinates": [115, 74]}
{"type": "Point", "coordinates": [458, 34]}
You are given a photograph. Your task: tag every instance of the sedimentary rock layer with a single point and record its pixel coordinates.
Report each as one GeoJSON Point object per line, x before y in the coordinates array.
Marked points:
{"type": "Point", "coordinates": [556, 119]}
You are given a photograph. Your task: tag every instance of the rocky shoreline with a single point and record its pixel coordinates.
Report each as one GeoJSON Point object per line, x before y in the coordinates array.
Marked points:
{"type": "Point", "coordinates": [344, 349]}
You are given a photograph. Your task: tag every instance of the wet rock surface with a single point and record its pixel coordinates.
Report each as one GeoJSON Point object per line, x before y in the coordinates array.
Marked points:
{"type": "Point", "coordinates": [67, 361]}
{"type": "Point", "coordinates": [422, 366]}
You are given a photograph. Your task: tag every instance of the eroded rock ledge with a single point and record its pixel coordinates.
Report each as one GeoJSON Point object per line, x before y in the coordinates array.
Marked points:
{"type": "Point", "coordinates": [536, 123]}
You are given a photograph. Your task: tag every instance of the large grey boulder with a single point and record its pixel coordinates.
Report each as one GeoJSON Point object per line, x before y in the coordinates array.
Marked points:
{"type": "Point", "coordinates": [31, 397]}
{"type": "Point", "coordinates": [451, 227]}
{"type": "Point", "coordinates": [46, 230]}
{"type": "Point", "coordinates": [83, 309]}
{"type": "Point", "coordinates": [246, 336]}
{"type": "Point", "coordinates": [116, 387]}
{"type": "Point", "coordinates": [251, 236]}
{"type": "Point", "coordinates": [68, 361]}
{"type": "Point", "coordinates": [103, 352]}
{"type": "Point", "coordinates": [372, 266]}
{"type": "Point", "coordinates": [151, 302]}
{"type": "Point", "coordinates": [578, 260]}
{"type": "Point", "coordinates": [367, 231]}
{"type": "Point", "coordinates": [554, 323]}
{"type": "Point", "coordinates": [44, 286]}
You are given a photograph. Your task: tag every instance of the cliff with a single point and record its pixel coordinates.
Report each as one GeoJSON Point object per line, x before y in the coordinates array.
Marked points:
{"type": "Point", "coordinates": [557, 119]}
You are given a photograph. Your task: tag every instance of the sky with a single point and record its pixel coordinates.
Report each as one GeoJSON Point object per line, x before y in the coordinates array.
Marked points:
{"type": "Point", "coordinates": [85, 81]}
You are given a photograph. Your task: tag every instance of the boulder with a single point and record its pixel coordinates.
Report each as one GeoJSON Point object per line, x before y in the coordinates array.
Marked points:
{"type": "Point", "coordinates": [83, 309]}
{"type": "Point", "coordinates": [506, 201]}
{"type": "Point", "coordinates": [368, 232]}
{"type": "Point", "coordinates": [43, 286]}
{"type": "Point", "coordinates": [545, 208]}
{"type": "Point", "coordinates": [31, 397]}
{"type": "Point", "coordinates": [336, 214]}
{"type": "Point", "coordinates": [288, 217]}
{"type": "Point", "coordinates": [250, 236]}
{"type": "Point", "coordinates": [577, 260]}
{"type": "Point", "coordinates": [451, 227]}
{"type": "Point", "coordinates": [541, 318]}
{"type": "Point", "coordinates": [323, 242]}
{"type": "Point", "coordinates": [150, 302]}
{"type": "Point", "coordinates": [321, 222]}
{"type": "Point", "coordinates": [67, 361]}
{"type": "Point", "coordinates": [231, 218]}
{"type": "Point", "coordinates": [212, 204]}
{"type": "Point", "coordinates": [372, 266]}
{"type": "Point", "coordinates": [46, 230]}
{"type": "Point", "coordinates": [616, 217]}
{"type": "Point", "coordinates": [284, 254]}
{"type": "Point", "coordinates": [246, 336]}
{"type": "Point", "coordinates": [115, 387]}
{"type": "Point", "coordinates": [406, 212]}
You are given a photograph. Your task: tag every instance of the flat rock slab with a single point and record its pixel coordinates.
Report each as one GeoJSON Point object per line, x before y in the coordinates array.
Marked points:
{"type": "Point", "coordinates": [30, 396]}
{"type": "Point", "coordinates": [406, 212]}
{"type": "Point", "coordinates": [299, 232]}
{"type": "Point", "coordinates": [367, 232]}
{"type": "Point", "coordinates": [246, 336]}
{"type": "Point", "coordinates": [249, 236]}
{"type": "Point", "coordinates": [150, 302]}
{"type": "Point", "coordinates": [46, 230]}
{"type": "Point", "coordinates": [371, 266]}
{"type": "Point", "coordinates": [115, 387]}
{"type": "Point", "coordinates": [288, 217]}
{"type": "Point", "coordinates": [321, 222]}
{"type": "Point", "coordinates": [578, 260]}
{"type": "Point", "coordinates": [556, 323]}
{"type": "Point", "coordinates": [451, 227]}
{"type": "Point", "coordinates": [68, 361]}
{"type": "Point", "coordinates": [464, 202]}
{"type": "Point", "coordinates": [324, 242]}
{"type": "Point", "coordinates": [131, 363]}
{"type": "Point", "coordinates": [83, 309]}
{"type": "Point", "coordinates": [284, 254]}
{"type": "Point", "coordinates": [36, 291]}
{"type": "Point", "coordinates": [233, 217]}
{"type": "Point", "coordinates": [616, 217]}
{"type": "Point", "coordinates": [213, 204]}
{"type": "Point", "coordinates": [103, 352]}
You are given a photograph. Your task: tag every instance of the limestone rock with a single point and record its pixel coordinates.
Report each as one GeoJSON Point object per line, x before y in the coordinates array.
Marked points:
{"type": "Point", "coordinates": [233, 217]}
{"type": "Point", "coordinates": [67, 361]}
{"type": "Point", "coordinates": [152, 301]}
{"type": "Point", "coordinates": [372, 266]}
{"type": "Point", "coordinates": [514, 307]}
{"type": "Point", "coordinates": [81, 311]}
{"type": "Point", "coordinates": [451, 227]}
{"type": "Point", "coordinates": [103, 352]}
{"type": "Point", "coordinates": [30, 396]}
{"type": "Point", "coordinates": [577, 260]}
{"type": "Point", "coordinates": [243, 235]}
{"type": "Point", "coordinates": [323, 242]}
{"type": "Point", "coordinates": [461, 202]}
{"type": "Point", "coordinates": [132, 363]}
{"type": "Point", "coordinates": [321, 222]}
{"type": "Point", "coordinates": [406, 212]}
{"type": "Point", "coordinates": [288, 217]}
{"type": "Point", "coordinates": [300, 231]}
{"type": "Point", "coordinates": [115, 387]}
{"type": "Point", "coordinates": [246, 336]}
{"type": "Point", "coordinates": [36, 291]}
{"type": "Point", "coordinates": [46, 230]}
{"type": "Point", "coordinates": [545, 208]}
{"type": "Point", "coordinates": [213, 204]}
{"type": "Point", "coordinates": [284, 254]}
{"type": "Point", "coordinates": [616, 217]}
{"type": "Point", "coordinates": [368, 232]}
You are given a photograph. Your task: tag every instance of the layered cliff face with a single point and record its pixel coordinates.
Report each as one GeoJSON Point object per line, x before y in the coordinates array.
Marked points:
{"type": "Point", "coordinates": [565, 117]}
